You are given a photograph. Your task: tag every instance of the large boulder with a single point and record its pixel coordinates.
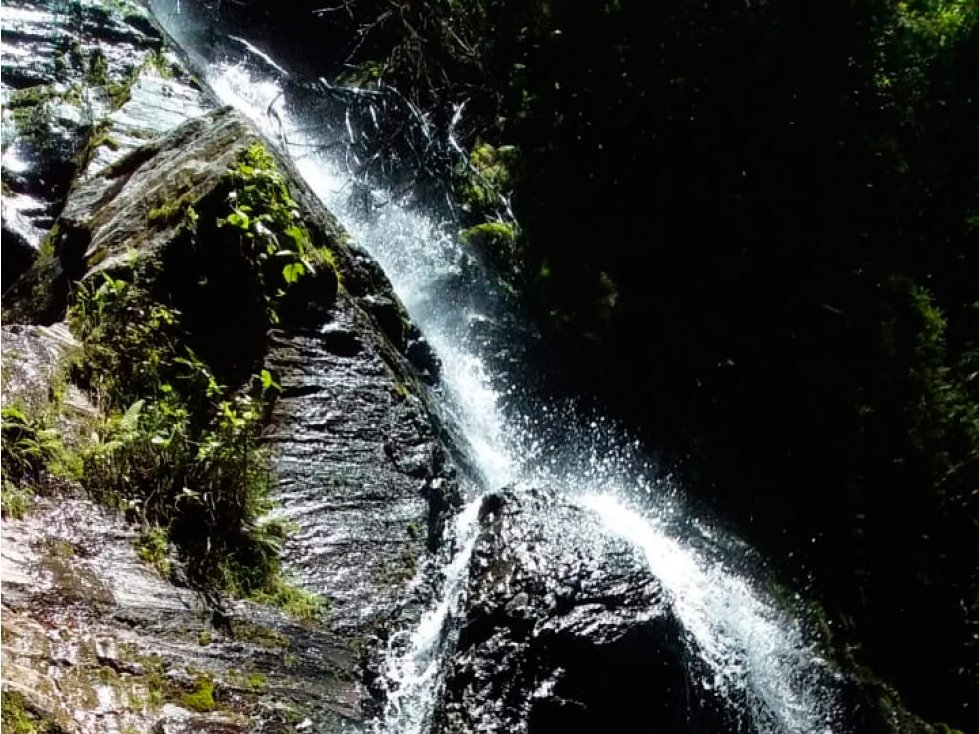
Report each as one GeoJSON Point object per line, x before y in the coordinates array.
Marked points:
{"type": "Point", "coordinates": [565, 630]}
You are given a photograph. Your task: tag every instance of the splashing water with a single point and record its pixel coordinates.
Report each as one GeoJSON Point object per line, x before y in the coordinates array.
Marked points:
{"type": "Point", "coordinates": [755, 656]}
{"type": "Point", "coordinates": [754, 652]}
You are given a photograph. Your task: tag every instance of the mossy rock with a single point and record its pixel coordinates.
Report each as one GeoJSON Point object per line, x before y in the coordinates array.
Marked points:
{"type": "Point", "coordinates": [19, 717]}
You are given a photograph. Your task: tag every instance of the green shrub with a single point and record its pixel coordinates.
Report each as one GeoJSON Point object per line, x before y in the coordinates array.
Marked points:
{"type": "Point", "coordinates": [177, 449]}
{"type": "Point", "coordinates": [267, 217]}
{"type": "Point", "coordinates": [28, 447]}
{"type": "Point", "coordinates": [14, 500]}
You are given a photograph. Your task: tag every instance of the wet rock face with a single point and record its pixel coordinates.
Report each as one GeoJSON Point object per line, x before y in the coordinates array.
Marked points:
{"type": "Point", "coordinates": [361, 469]}
{"type": "Point", "coordinates": [565, 631]}
{"type": "Point", "coordinates": [33, 363]}
{"type": "Point", "coordinates": [95, 640]}
{"type": "Point", "coordinates": [83, 84]}
{"type": "Point", "coordinates": [359, 466]}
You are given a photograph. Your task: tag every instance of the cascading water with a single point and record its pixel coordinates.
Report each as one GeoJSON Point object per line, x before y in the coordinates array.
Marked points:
{"type": "Point", "coordinates": [753, 655]}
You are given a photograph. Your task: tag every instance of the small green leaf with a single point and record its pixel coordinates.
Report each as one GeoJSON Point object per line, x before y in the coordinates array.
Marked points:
{"type": "Point", "coordinates": [298, 236]}
{"type": "Point", "coordinates": [268, 382]}
{"type": "Point", "coordinates": [293, 271]}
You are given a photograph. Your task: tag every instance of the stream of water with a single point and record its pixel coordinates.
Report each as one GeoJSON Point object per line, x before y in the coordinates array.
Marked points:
{"type": "Point", "coordinates": [755, 656]}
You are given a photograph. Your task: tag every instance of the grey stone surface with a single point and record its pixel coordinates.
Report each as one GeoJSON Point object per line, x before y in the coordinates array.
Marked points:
{"type": "Point", "coordinates": [564, 630]}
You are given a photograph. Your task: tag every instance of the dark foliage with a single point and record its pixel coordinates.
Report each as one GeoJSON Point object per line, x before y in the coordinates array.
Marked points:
{"type": "Point", "coordinates": [751, 229]}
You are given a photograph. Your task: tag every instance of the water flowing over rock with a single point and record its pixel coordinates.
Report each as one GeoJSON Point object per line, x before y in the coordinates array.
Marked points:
{"type": "Point", "coordinates": [565, 629]}
{"type": "Point", "coordinates": [557, 609]}
{"type": "Point", "coordinates": [362, 471]}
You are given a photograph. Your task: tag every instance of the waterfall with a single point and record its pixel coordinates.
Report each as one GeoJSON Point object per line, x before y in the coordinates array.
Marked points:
{"type": "Point", "coordinates": [753, 655]}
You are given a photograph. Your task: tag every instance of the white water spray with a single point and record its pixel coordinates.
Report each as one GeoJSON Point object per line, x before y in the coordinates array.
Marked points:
{"type": "Point", "coordinates": [755, 656]}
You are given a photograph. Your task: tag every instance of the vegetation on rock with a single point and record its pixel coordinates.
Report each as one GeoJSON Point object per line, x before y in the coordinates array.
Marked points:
{"type": "Point", "coordinates": [265, 214]}
{"type": "Point", "coordinates": [758, 247]}
{"type": "Point", "coordinates": [17, 718]}
{"type": "Point", "coordinates": [177, 449]}
{"type": "Point", "coordinates": [201, 699]}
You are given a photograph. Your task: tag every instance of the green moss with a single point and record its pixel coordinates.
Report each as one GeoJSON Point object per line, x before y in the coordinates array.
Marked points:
{"type": "Point", "coordinates": [17, 718]}
{"type": "Point", "coordinates": [120, 92]}
{"type": "Point", "coordinates": [500, 232]}
{"type": "Point", "coordinates": [30, 97]}
{"type": "Point", "coordinates": [171, 211]}
{"type": "Point", "coordinates": [400, 389]}
{"type": "Point", "coordinates": [30, 109]}
{"type": "Point", "coordinates": [155, 692]}
{"type": "Point", "coordinates": [107, 674]}
{"type": "Point", "coordinates": [401, 569]}
{"type": "Point", "coordinates": [201, 699]}
{"type": "Point", "coordinates": [104, 140]}
{"type": "Point", "coordinates": [414, 531]}
{"type": "Point", "coordinates": [158, 688]}
{"type": "Point", "coordinates": [97, 72]}
{"type": "Point", "coordinates": [62, 549]}
{"type": "Point", "coordinates": [495, 240]}
{"type": "Point", "coordinates": [490, 175]}
{"type": "Point", "coordinates": [159, 63]}
{"type": "Point", "coordinates": [260, 635]}
{"type": "Point", "coordinates": [298, 603]}
{"type": "Point", "coordinates": [152, 549]}
{"type": "Point", "coordinates": [256, 680]}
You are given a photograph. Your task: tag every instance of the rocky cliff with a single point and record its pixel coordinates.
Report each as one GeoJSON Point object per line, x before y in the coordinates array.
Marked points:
{"type": "Point", "coordinates": [220, 466]}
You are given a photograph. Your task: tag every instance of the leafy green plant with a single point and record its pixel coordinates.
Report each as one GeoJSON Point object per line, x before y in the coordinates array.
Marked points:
{"type": "Point", "coordinates": [31, 446]}
{"type": "Point", "coordinates": [181, 209]}
{"type": "Point", "coordinates": [268, 219]}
